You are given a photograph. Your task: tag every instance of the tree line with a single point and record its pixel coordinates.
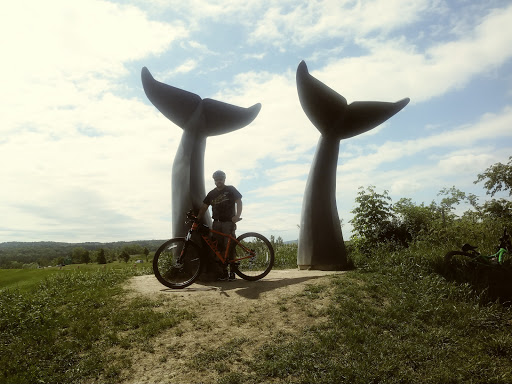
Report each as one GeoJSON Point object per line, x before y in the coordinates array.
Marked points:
{"type": "Point", "coordinates": [43, 254]}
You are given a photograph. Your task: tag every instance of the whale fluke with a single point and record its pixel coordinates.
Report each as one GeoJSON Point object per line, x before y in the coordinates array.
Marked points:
{"type": "Point", "coordinates": [223, 118]}
{"type": "Point", "coordinates": [179, 105]}
{"type": "Point", "coordinates": [321, 244]}
{"type": "Point", "coordinates": [199, 118]}
{"type": "Point", "coordinates": [330, 114]}
{"type": "Point", "coordinates": [174, 103]}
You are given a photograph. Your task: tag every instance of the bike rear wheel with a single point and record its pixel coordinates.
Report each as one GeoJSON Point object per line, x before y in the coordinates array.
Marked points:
{"type": "Point", "coordinates": [461, 257]}
{"type": "Point", "coordinates": [253, 256]}
{"type": "Point", "coordinates": [177, 263]}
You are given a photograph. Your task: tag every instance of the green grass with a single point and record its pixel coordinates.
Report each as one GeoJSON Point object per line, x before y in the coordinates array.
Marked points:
{"type": "Point", "coordinates": [285, 256]}
{"type": "Point", "coordinates": [384, 329]}
{"type": "Point", "coordinates": [28, 279]}
{"type": "Point", "coordinates": [400, 317]}
{"type": "Point", "coordinates": [61, 331]}
{"type": "Point", "coordinates": [396, 320]}
{"type": "Point", "coordinates": [24, 279]}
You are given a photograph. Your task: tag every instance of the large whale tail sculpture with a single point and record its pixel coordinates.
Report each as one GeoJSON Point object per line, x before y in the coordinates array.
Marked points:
{"type": "Point", "coordinates": [199, 118]}
{"type": "Point", "coordinates": [321, 244]}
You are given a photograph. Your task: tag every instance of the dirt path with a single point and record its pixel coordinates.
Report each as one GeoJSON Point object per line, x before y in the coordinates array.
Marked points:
{"type": "Point", "coordinates": [232, 318]}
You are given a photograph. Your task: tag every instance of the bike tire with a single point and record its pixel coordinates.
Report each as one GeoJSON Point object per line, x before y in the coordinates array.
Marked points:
{"type": "Point", "coordinates": [256, 263]}
{"type": "Point", "coordinates": [172, 271]}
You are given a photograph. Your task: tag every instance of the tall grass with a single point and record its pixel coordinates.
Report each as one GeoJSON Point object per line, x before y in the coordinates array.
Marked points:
{"type": "Point", "coordinates": [285, 256]}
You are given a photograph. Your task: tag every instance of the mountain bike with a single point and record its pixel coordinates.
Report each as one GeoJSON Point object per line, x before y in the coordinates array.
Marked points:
{"type": "Point", "coordinates": [470, 253]}
{"type": "Point", "coordinates": [179, 261]}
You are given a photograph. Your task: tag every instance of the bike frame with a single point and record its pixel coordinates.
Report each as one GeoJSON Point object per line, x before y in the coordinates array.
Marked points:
{"type": "Point", "coordinates": [231, 242]}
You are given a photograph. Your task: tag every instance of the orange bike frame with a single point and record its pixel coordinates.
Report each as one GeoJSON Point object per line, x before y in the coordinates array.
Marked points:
{"type": "Point", "coordinates": [213, 246]}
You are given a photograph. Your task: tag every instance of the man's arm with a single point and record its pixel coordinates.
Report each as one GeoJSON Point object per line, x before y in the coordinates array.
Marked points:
{"type": "Point", "coordinates": [202, 211]}
{"type": "Point", "coordinates": [238, 205]}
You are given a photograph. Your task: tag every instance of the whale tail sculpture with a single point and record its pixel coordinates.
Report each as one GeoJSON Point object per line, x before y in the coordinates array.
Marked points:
{"type": "Point", "coordinates": [321, 244]}
{"type": "Point", "coordinates": [199, 118]}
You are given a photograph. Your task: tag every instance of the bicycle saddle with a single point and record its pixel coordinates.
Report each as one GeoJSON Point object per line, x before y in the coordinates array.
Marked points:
{"type": "Point", "coordinates": [468, 247]}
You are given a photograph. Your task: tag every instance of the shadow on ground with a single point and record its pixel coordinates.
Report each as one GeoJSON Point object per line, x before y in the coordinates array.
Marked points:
{"type": "Point", "coordinates": [247, 289]}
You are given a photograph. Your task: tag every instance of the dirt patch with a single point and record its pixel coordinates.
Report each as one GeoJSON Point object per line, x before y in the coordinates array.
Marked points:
{"type": "Point", "coordinates": [233, 319]}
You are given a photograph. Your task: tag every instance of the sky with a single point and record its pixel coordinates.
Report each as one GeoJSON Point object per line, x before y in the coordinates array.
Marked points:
{"type": "Point", "coordinates": [84, 155]}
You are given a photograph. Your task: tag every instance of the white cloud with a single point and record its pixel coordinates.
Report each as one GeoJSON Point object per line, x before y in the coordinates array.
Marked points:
{"type": "Point", "coordinates": [394, 69]}
{"type": "Point", "coordinates": [489, 128]}
{"type": "Point", "coordinates": [66, 54]}
{"type": "Point", "coordinates": [308, 22]}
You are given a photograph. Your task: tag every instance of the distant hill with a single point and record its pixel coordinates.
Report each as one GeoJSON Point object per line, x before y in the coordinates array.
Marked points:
{"type": "Point", "coordinates": [29, 252]}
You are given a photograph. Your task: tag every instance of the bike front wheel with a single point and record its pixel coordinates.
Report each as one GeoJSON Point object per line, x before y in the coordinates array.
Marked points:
{"type": "Point", "coordinates": [177, 263]}
{"type": "Point", "coordinates": [253, 256]}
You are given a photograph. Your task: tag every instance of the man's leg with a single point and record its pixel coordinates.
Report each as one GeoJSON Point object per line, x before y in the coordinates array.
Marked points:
{"type": "Point", "coordinates": [222, 242]}
{"type": "Point", "coordinates": [229, 229]}
{"type": "Point", "coordinates": [217, 226]}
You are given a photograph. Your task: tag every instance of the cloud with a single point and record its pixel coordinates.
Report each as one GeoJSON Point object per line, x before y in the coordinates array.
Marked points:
{"type": "Point", "coordinates": [395, 68]}
{"type": "Point", "coordinates": [489, 128]}
{"type": "Point", "coordinates": [66, 54]}
{"type": "Point", "coordinates": [184, 68]}
{"type": "Point", "coordinates": [308, 22]}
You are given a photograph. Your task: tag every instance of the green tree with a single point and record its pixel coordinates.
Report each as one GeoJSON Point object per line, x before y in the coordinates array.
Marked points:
{"type": "Point", "coordinates": [415, 218]}
{"type": "Point", "coordinates": [59, 261]}
{"type": "Point", "coordinates": [124, 256]}
{"type": "Point", "coordinates": [79, 255]}
{"type": "Point", "coordinates": [498, 209]}
{"type": "Point", "coordinates": [101, 257]}
{"type": "Point", "coordinates": [146, 253]}
{"type": "Point", "coordinates": [498, 177]}
{"type": "Point", "coordinates": [372, 215]}
{"type": "Point", "coordinates": [86, 257]}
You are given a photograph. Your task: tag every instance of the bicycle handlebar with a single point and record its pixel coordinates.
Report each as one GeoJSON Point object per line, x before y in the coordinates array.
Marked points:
{"type": "Point", "coordinates": [192, 218]}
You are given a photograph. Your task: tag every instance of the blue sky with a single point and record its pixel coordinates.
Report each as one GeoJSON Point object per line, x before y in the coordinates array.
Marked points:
{"type": "Point", "coordinates": [86, 157]}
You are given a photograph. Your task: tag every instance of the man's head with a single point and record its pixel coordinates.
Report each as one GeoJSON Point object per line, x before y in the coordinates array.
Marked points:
{"type": "Point", "coordinates": [220, 178]}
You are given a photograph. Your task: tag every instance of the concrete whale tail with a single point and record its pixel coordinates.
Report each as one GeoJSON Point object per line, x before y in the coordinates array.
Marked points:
{"type": "Point", "coordinates": [179, 106]}
{"type": "Point", "coordinates": [331, 115]}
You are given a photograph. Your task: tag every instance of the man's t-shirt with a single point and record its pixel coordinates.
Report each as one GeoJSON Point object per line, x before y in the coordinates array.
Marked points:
{"type": "Point", "coordinates": [223, 202]}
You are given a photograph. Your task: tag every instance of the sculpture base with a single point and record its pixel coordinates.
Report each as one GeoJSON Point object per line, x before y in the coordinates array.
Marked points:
{"type": "Point", "coordinates": [322, 267]}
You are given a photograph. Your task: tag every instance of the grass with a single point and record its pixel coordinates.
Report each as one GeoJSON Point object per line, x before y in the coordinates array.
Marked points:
{"type": "Point", "coordinates": [400, 317]}
{"type": "Point", "coordinates": [28, 279]}
{"type": "Point", "coordinates": [393, 322]}
{"type": "Point", "coordinates": [61, 330]}
{"type": "Point", "coordinates": [382, 329]}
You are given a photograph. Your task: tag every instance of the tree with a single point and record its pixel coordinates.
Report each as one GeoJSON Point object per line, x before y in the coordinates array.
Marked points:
{"type": "Point", "coordinates": [124, 256]}
{"type": "Point", "coordinates": [146, 253]}
{"type": "Point", "coordinates": [372, 215]}
{"type": "Point", "coordinates": [498, 209]}
{"type": "Point", "coordinates": [101, 257]}
{"type": "Point", "coordinates": [415, 218]}
{"type": "Point", "coordinates": [499, 178]}
{"type": "Point", "coordinates": [80, 255]}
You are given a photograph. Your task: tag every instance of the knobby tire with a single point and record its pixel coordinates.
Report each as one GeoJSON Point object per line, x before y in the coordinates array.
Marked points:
{"type": "Point", "coordinates": [173, 272]}
{"type": "Point", "coordinates": [256, 263]}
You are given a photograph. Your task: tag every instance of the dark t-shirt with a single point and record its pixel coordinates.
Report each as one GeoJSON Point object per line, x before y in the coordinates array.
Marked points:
{"type": "Point", "coordinates": [223, 202]}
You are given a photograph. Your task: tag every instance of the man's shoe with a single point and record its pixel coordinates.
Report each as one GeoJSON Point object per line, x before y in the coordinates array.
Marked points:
{"type": "Point", "coordinates": [232, 276]}
{"type": "Point", "coordinates": [223, 276]}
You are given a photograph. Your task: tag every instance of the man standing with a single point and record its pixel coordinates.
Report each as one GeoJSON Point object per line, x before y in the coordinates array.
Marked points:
{"type": "Point", "coordinates": [226, 204]}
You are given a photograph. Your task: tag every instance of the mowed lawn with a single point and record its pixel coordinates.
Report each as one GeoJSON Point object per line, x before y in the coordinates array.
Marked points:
{"type": "Point", "coordinates": [26, 279]}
